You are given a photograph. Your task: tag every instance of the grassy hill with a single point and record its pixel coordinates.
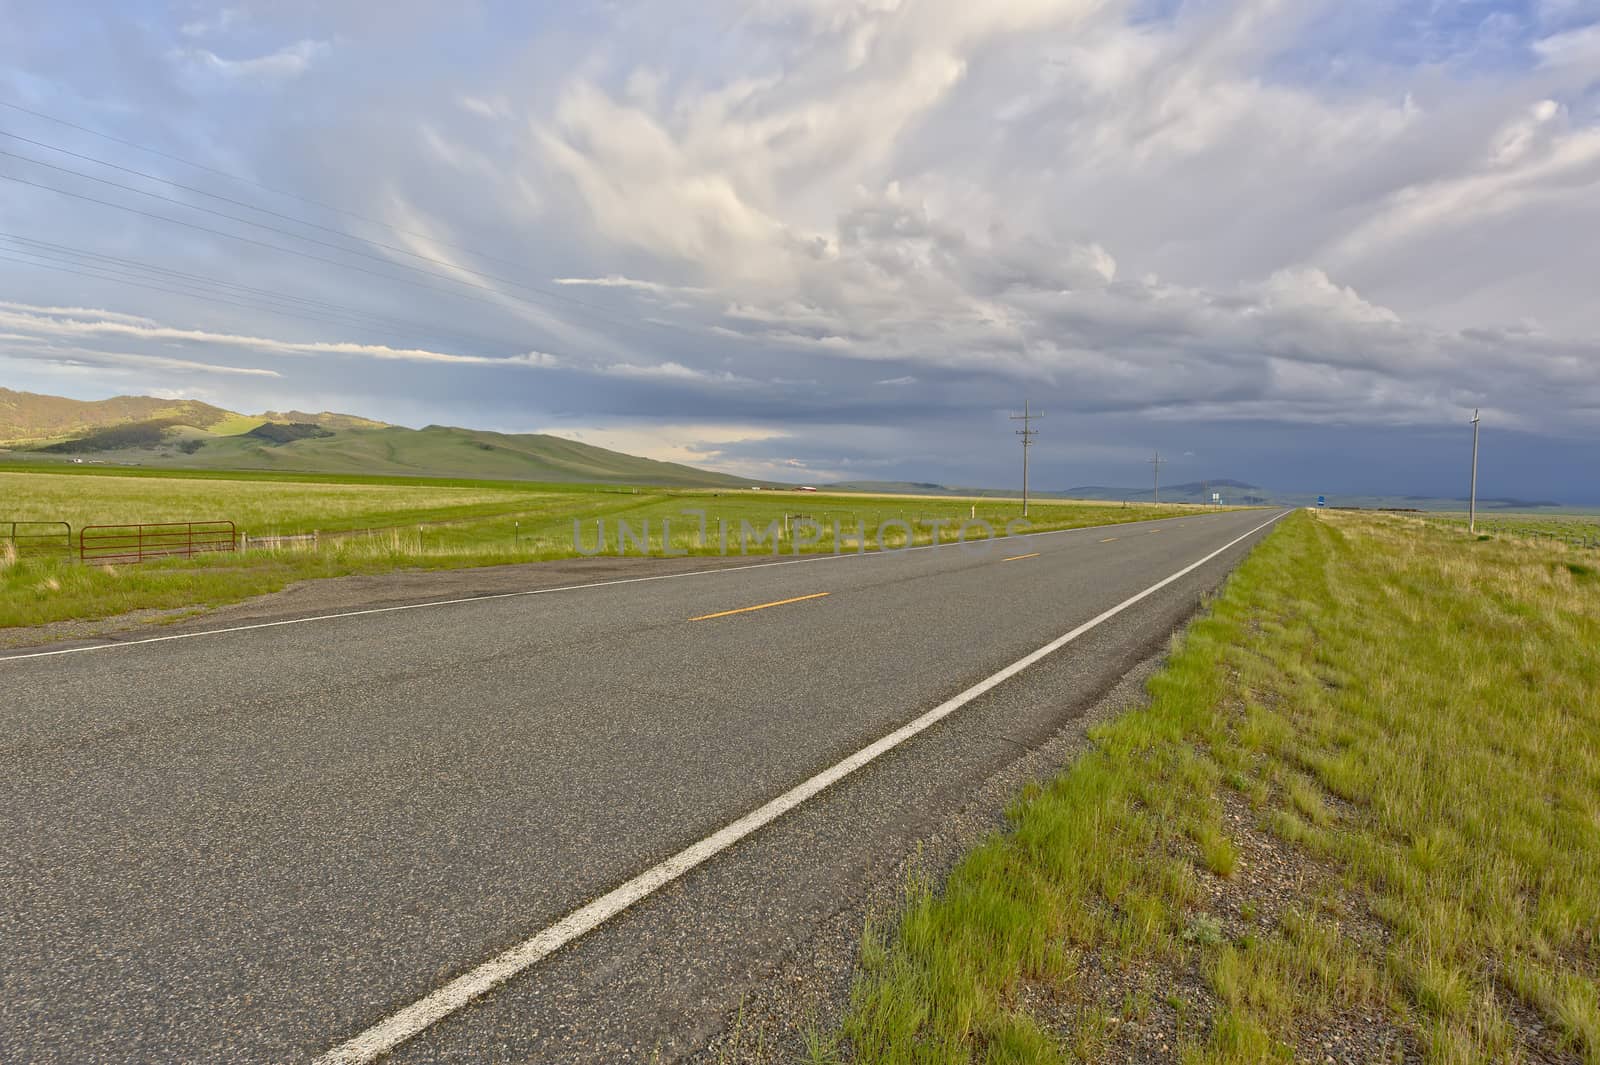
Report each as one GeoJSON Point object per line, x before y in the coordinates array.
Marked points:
{"type": "Point", "coordinates": [30, 418]}
{"type": "Point", "coordinates": [323, 420]}
{"type": "Point", "coordinates": [443, 451]}
{"type": "Point", "coordinates": [146, 431]}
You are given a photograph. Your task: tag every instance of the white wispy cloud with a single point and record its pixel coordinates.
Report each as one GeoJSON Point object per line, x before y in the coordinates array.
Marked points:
{"type": "Point", "coordinates": [39, 321]}
{"type": "Point", "coordinates": [91, 313]}
{"type": "Point", "coordinates": [286, 63]}
{"type": "Point", "coordinates": [22, 347]}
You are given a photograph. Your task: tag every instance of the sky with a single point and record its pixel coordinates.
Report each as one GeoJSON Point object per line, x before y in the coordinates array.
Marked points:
{"type": "Point", "coordinates": [1288, 242]}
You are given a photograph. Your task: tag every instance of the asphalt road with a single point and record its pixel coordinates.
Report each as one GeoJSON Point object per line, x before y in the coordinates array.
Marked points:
{"type": "Point", "coordinates": [254, 845]}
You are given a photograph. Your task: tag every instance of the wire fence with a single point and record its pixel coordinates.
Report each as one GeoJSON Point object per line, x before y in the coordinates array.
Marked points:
{"type": "Point", "coordinates": [1574, 532]}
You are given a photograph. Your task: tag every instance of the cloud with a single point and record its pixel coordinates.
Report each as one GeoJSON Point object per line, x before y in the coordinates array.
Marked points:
{"type": "Point", "coordinates": [39, 321]}
{"type": "Point", "coordinates": [223, 20]}
{"type": "Point", "coordinates": [906, 246]}
{"type": "Point", "coordinates": [654, 288]}
{"type": "Point", "coordinates": [754, 451]}
{"type": "Point", "coordinates": [93, 313]}
{"type": "Point", "coordinates": [21, 347]}
{"type": "Point", "coordinates": [287, 63]}
{"type": "Point", "coordinates": [670, 371]}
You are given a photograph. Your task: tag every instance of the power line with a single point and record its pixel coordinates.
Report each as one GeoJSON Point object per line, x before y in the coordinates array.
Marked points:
{"type": "Point", "coordinates": [593, 311]}
{"type": "Point", "coordinates": [262, 244]}
{"type": "Point", "coordinates": [394, 325]}
{"type": "Point", "coordinates": [582, 308]}
{"type": "Point", "coordinates": [249, 222]}
{"type": "Point", "coordinates": [1155, 463]}
{"type": "Point", "coordinates": [396, 249]}
{"type": "Point", "coordinates": [1027, 432]}
{"type": "Point", "coordinates": [105, 274]}
{"type": "Point", "coordinates": [244, 180]}
{"type": "Point", "coordinates": [243, 239]}
{"type": "Point", "coordinates": [98, 272]}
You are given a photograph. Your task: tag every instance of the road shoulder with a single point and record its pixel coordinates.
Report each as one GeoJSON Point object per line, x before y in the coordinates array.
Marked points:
{"type": "Point", "coordinates": [808, 990]}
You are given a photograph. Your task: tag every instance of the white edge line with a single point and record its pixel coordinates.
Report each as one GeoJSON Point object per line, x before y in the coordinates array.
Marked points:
{"type": "Point", "coordinates": [115, 644]}
{"type": "Point", "coordinates": [401, 1026]}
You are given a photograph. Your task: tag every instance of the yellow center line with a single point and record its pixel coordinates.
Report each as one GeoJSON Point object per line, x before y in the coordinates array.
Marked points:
{"type": "Point", "coordinates": [1019, 558]}
{"type": "Point", "coordinates": [1108, 540]}
{"type": "Point", "coordinates": [762, 606]}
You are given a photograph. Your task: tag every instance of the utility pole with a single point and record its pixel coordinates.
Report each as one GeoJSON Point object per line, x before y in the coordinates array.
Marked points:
{"type": "Point", "coordinates": [1156, 465]}
{"type": "Point", "coordinates": [1472, 505]}
{"type": "Point", "coordinates": [1027, 432]}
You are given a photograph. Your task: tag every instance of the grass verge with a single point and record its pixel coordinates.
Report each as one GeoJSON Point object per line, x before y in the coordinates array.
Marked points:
{"type": "Point", "coordinates": [1359, 819]}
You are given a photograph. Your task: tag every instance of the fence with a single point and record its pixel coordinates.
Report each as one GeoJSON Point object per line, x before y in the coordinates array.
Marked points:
{"type": "Point", "coordinates": [249, 542]}
{"type": "Point", "coordinates": [173, 539]}
{"type": "Point", "coordinates": [37, 536]}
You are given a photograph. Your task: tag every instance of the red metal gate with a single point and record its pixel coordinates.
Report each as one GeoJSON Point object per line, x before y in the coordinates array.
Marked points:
{"type": "Point", "coordinates": [170, 539]}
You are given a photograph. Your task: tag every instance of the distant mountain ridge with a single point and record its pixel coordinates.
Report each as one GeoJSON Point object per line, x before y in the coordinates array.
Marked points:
{"type": "Point", "coordinates": [148, 431]}
{"type": "Point", "coordinates": [1232, 492]}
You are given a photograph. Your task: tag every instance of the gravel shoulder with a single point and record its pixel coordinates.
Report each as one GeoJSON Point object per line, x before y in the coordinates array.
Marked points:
{"type": "Point", "coordinates": [807, 992]}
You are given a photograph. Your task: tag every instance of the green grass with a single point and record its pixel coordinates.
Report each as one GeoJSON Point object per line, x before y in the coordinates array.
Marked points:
{"type": "Point", "coordinates": [374, 524]}
{"type": "Point", "coordinates": [1410, 713]}
{"type": "Point", "coordinates": [1575, 530]}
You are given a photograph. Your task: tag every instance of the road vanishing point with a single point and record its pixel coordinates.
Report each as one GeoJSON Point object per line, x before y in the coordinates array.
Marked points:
{"type": "Point", "coordinates": [567, 824]}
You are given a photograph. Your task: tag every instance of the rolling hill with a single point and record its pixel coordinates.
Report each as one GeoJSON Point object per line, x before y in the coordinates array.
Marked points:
{"type": "Point", "coordinates": [186, 434]}
{"type": "Point", "coordinates": [29, 418]}
{"type": "Point", "coordinates": [441, 451]}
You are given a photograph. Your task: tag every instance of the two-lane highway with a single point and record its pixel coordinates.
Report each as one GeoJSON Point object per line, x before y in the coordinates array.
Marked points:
{"type": "Point", "coordinates": [564, 825]}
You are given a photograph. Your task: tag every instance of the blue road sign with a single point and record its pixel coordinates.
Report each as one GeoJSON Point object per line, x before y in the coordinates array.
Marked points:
{"type": "Point", "coordinates": [1322, 501]}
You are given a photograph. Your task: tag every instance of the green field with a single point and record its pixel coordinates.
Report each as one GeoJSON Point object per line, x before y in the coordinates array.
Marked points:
{"type": "Point", "coordinates": [1577, 530]}
{"type": "Point", "coordinates": [373, 524]}
{"type": "Point", "coordinates": [1359, 820]}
